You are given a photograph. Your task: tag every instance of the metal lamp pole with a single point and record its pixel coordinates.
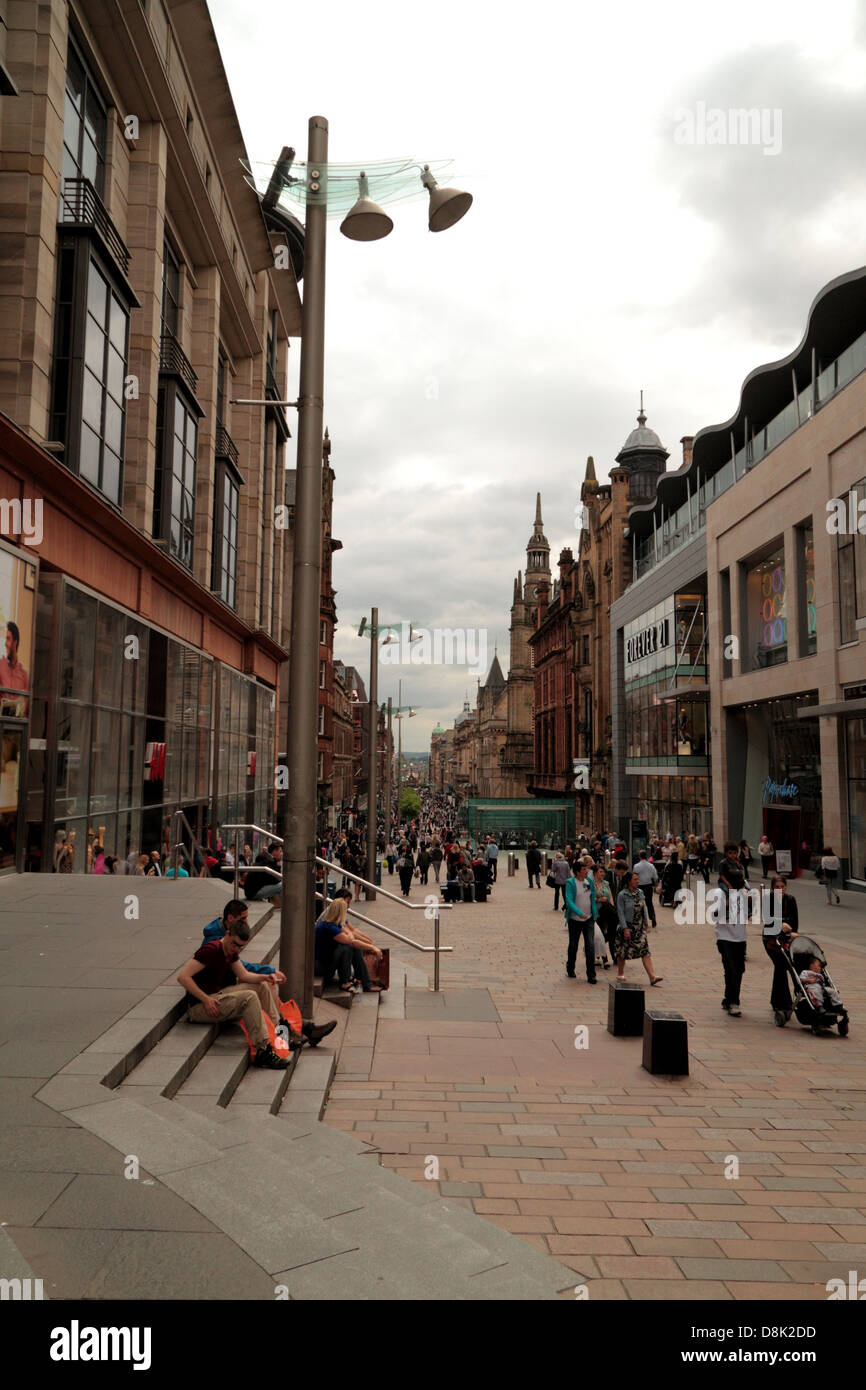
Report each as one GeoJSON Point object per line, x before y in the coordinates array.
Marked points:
{"type": "Point", "coordinates": [388, 770]}
{"type": "Point", "coordinates": [373, 754]}
{"type": "Point", "coordinates": [298, 899]}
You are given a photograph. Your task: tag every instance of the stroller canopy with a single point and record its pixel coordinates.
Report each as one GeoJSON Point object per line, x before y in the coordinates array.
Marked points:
{"type": "Point", "coordinates": [805, 948]}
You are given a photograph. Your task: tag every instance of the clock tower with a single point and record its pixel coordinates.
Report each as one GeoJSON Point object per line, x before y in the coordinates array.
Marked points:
{"type": "Point", "coordinates": [518, 760]}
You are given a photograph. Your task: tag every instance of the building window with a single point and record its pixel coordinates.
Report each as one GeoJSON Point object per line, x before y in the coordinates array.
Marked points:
{"type": "Point", "coordinates": [322, 674]}
{"type": "Point", "coordinates": [90, 357]}
{"type": "Point", "coordinates": [321, 720]}
{"type": "Point", "coordinates": [323, 635]}
{"type": "Point", "coordinates": [851, 567]}
{"type": "Point", "coordinates": [170, 291]}
{"type": "Point", "coordinates": [585, 649]}
{"type": "Point", "coordinates": [225, 559]}
{"type": "Point", "coordinates": [808, 603]}
{"type": "Point", "coordinates": [766, 623]}
{"type": "Point", "coordinates": [174, 505]}
{"type": "Point", "coordinates": [321, 768]}
{"type": "Point", "coordinates": [84, 124]}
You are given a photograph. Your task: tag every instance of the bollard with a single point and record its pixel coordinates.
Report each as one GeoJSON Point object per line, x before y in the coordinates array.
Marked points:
{"type": "Point", "coordinates": [511, 865]}
{"type": "Point", "coordinates": [625, 1009]}
{"type": "Point", "coordinates": [665, 1043]}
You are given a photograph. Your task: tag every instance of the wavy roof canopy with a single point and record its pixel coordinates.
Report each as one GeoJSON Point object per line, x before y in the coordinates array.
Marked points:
{"type": "Point", "coordinates": [837, 316]}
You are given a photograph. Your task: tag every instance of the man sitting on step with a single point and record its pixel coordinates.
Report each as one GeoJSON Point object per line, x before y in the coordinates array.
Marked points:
{"type": "Point", "coordinates": [236, 910]}
{"type": "Point", "coordinates": [218, 988]}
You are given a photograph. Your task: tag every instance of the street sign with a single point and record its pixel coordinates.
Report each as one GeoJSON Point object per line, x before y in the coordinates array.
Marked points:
{"type": "Point", "coordinates": [580, 767]}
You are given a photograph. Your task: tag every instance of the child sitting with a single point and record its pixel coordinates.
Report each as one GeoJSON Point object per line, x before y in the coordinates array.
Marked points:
{"type": "Point", "coordinates": [821, 994]}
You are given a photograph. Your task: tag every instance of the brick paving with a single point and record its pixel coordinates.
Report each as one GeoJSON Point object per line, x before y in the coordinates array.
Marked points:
{"type": "Point", "coordinates": [618, 1174]}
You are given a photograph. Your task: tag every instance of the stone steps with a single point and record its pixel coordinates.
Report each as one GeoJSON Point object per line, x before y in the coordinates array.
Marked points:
{"type": "Point", "coordinates": [305, 1203]}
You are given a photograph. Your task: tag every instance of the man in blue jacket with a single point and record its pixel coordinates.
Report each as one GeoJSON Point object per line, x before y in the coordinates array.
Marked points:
{"type": "Point", "coordinates": [236, 910]}
{"type": "Point", "coordinates": [580, 915]}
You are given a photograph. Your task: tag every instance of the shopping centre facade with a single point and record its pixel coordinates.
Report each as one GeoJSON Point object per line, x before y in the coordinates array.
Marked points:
{"type": "Point", "coordinates": [739, 649]}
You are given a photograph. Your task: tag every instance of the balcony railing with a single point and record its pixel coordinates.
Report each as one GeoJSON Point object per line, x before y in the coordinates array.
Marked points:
{"type": "Point", "coordinates": [81, 206]}
{"type": "Point", "coordinates": [225, 445]}
{"type": "Point", "coordinates": [173, 361]}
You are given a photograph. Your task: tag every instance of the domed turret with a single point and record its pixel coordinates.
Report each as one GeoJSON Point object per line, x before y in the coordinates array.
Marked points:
{"type": "Point", "coordinates": [645, 457]}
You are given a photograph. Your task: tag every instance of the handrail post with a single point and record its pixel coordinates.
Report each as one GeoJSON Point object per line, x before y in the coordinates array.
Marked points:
{"type": "Point", "coordinates": [436, 947]}
{"type": "Point", "coordinates": [237, 863]}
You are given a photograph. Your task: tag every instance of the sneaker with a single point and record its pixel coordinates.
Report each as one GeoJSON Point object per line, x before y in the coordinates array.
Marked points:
{"type": "Point", "coordinates": [734, 1010]}
{"type": "Point", "coordinates": [266, 1057]}
{"type": "Point", "coordinates": [314, 1032]}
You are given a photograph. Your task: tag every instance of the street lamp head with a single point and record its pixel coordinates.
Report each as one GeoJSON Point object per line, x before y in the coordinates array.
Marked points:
{"type": "Point", "coordinates": [366, 221]}
{"type": "Point", "coordinates": [447, 205]}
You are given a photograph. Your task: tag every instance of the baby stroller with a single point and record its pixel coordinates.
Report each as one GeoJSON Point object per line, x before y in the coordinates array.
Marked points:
{"type": "Point", "coordinates": [799, 953]}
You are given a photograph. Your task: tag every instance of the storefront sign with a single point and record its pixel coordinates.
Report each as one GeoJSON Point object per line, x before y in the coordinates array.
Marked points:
{"type": "Point", "coordinates": [651, 639]}
{"type": "Point", "coordinates": [779, 791]}
{"type": "Point", "coordinates": [783, 861]}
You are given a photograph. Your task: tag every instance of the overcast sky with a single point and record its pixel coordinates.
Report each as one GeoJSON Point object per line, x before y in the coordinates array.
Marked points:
{"type": "Point", "coordinates": [603, 254]}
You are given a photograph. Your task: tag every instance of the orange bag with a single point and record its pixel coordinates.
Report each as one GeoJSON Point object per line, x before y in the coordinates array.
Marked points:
{"type": "Point", "coordinates": [291, 1015]}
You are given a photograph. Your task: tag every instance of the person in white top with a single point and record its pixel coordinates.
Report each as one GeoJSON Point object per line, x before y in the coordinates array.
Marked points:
{"type": "Point", "coordinates": [830, 867]}
{"type": "Point", "coordinates": [766, 851]}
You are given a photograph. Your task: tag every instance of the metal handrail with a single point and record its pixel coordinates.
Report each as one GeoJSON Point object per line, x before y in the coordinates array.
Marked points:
{"type": "Point", "coordinates": [436, 948]}
{"type": "Point", "coordinates": [178, 815]}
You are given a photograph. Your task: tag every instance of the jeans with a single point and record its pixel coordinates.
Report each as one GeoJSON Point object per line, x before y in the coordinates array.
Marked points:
{"type": "Point", "coordinates": [270, 890]}
{"type": "Point", "coordinates": [586, 928]}
{"type": "Point", "coordinates": [557, 889]}
{"type": "Point", "coordinates": [436, 869]}
{"type": "Point", "coordinates": [491, 864]}
{"type": "Point", "coordinates": [733, 954]}
{"type": "Point", "coordinates": [647, 891]}
{"type": "Point", "coordinates": [534, 874]}
{"type": "Point", "coordinates": [343, 957]}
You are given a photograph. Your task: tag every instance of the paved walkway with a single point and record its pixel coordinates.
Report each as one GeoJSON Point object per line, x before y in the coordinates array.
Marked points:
{"type": "Point", "coordinates": [622, 1176]}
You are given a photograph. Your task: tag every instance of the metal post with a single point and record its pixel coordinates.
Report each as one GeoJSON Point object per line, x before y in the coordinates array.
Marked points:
{"type": "Point", "coordinates": [373, 754]}
{"type": "Point", "coordinates": [435, 947]}
{"type": "Point", "coordinates": [399, 745]}
{"type": "Point", "coordinates": [298, 905]}
{"type": "Point", "coordinates": [388, 770]}
{"type": "Point", "coordinates": [237, 861]}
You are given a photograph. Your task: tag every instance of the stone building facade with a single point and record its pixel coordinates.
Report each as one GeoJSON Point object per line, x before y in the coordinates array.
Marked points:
{"type": "Point", "coordinates": [141, 298]}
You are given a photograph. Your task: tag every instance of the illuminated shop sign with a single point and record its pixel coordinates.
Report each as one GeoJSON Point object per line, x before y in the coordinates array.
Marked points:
{"type": "Point", "coordinates": [779, 791]}
{"type": "Point", "coordinates": [650, 639]}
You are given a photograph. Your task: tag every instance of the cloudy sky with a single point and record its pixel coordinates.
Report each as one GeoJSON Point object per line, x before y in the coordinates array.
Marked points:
{"type": "Point", "coordinates": [614, 244]}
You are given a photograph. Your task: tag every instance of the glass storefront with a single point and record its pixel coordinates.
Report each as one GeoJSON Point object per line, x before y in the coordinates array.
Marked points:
{"type": "Point", "coordinates": [855, 740]}
{"type": "Point", "coordinates": [666, 715]}
{"type": "Point", "coordinates": [17, 621]}
{"type": "Point", "coordinates": [127, 729]}
{"type": "Point", "coordinates": [774, 772]}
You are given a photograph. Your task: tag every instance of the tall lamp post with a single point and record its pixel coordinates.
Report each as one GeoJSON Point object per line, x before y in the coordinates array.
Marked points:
{"type": "Point", "coordinates": [365, 221]}
{"type": "Point", "coordinates": [400, 713]}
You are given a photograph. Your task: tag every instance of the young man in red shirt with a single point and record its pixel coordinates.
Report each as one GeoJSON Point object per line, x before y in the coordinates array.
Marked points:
{"type": "Point", "coordinates": [219, 988]}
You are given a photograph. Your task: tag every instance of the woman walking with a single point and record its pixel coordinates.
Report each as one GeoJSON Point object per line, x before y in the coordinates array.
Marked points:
{"type": "Point", "coordinates": [829, 873]}
{"type": "Point", "coordinates": [776, 935]}
{"type": "Point", "coordinates": [405, 868]}
{"type": "Point", "coordinates": [631, 939]}
{"type": "Point", "coordinates": [605, 910]}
